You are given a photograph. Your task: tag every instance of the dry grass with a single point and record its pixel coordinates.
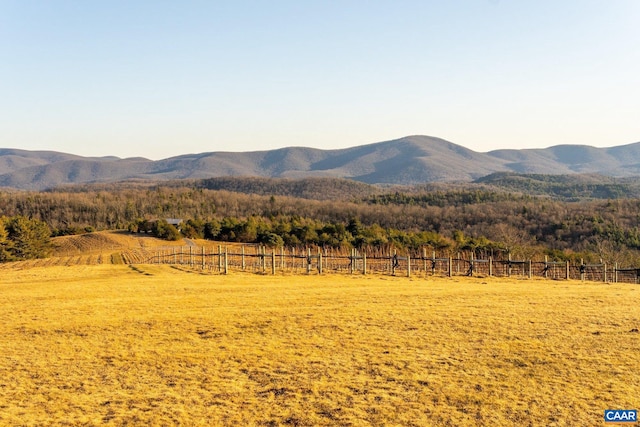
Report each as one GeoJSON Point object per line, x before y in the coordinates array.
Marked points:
{"type": "Point", "coordinates": [152, 345]}
{"type": "Point", "coordinates": [105, 241]}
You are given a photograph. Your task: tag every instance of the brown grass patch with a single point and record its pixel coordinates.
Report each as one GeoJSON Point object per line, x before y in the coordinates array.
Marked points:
{"type": "Point", "coordinates": [152, 345]}
{"type": "Point", "coordinates": [105, 241]}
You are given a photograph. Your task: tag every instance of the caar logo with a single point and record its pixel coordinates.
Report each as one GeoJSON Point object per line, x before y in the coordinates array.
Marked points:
{"type": "Point", "coordinates": [620, 416]}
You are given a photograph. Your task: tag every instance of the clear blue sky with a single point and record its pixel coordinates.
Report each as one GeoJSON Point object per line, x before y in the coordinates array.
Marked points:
{"type": "Point", "coordinates": [162, 78]}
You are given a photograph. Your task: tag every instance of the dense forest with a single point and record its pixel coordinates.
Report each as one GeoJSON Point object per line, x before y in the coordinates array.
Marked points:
{"type": "Point", "coordinates": [566, 187]}
{"type": "Point", "coordinates": [473, 218]}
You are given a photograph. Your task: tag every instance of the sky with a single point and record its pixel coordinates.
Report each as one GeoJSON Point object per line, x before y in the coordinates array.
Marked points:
{"type": "Point", "coordinates": [163, 78]}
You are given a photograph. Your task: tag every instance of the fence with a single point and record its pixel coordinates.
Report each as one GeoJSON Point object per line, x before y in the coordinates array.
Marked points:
{"type": "Point", "coordinates": [259, 259]}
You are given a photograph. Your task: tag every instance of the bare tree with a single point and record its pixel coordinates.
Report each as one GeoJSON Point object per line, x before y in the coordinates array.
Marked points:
{"type": "Point", "coordinates": [515, 241]}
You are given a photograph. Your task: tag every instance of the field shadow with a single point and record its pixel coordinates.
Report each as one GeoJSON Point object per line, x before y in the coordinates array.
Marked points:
{"type": "Point", "coordinates": [137, 270]}
{"type": "Point", "coordinates": [189, 271]}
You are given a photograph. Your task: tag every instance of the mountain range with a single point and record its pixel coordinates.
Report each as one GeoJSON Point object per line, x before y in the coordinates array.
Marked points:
{"type": "Point", "coordinates": [409, 160]}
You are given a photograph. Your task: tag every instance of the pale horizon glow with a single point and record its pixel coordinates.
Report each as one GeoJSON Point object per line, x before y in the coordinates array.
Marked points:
{"type": "Point", "coordinates": [158, 79]}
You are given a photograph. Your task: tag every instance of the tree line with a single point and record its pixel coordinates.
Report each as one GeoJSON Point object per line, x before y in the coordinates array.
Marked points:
{"type": "Point", "coordinates": [455, 219]}
{"type": "Point", "coordinates": [293, 231]}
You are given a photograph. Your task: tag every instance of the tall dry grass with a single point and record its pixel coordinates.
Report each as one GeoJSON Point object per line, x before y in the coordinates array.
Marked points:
{"type": "Point", "coordinates": [152, 345]}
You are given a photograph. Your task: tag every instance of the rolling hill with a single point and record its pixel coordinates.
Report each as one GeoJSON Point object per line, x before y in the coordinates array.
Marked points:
{"type": "Point", "coordinates": [409, 160]}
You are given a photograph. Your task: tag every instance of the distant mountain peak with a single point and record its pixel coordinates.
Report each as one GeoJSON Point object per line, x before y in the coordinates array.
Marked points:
{"type": "Point", "coordinates": [413, 159]}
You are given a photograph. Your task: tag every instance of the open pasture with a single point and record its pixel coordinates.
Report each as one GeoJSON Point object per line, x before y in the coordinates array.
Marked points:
{"type": "Point", "coordinates": [154, 345]}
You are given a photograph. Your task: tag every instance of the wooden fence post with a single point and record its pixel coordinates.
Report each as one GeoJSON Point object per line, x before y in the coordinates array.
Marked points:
{"type": "Point", "coordinates": [273, 261]}
{"type": "Point", "coordinates": [433, 263]}
{"type": "Point", "coordinates": [226, 261]}
{"type": "Point", "coordinates": [529, 269]}
{"type": "Point", "coordinates": [615, 272]}
{"type": "Point", "coordinates": [393, 262]}
{"type": "Point", "coordinates": [490, 266]}
{"type": "Point", "coordinates": [450, 267]}
{"type": "Point", "coordinates": [308, 260]}
{"type": "Point", "coordinates": [605, 272]}
{"type": "Point", "coordinates": [408, 264]}
{"type": "Point", "coordinates": [567, 271]}
{"type": "Point", "coordinates": [424, 258]}
{"type": "Point", "coordinates": [319, 261]}
{"type": "Point", "coordinates": [353, 260]}
{"type": "Point", "coordinates": [364, 263]}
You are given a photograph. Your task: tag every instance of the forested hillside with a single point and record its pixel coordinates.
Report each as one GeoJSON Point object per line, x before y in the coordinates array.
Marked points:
{"type": "Point", "coordinates": [566, 187]}
{"type": "Point", "coordinates": [479, 219]}
{"type": "Point", "coordinates": [306, 188]}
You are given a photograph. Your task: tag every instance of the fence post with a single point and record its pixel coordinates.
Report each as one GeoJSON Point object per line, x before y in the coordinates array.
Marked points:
{"type": "Point", "coordinates": [244, 264]}
{"type": "Point", "coordinates": [393, 262]}
{"type": "Point", "coordinates": [308, 260]}
{"type": "Point", "coordinates": [364, 263]}
{"type": "Point", "coordinates": [408, 264]}
{"type": "Point", "coordinates": [319, 261]}
{"type": "Point", "coordinates": [220, 260]}
{"type": "Point", "coordinates": [546, 267]}
{"type": "Point", "coordinates": [529, 269]}
{"type": "Point", "coordinates": [450, 267]}
{"type": "Point", "coordinates": [263, 261]}
{"type": "Point", "coordinates": [490, 266]}
{"type": "Point", "coordinates": [582, 270]}
{"type": "Point", "coordinates": [424, 258]}
{"type": "Point", "coordinates": [615, 272]}
{"type": "Point", "coordinates": [433, 263]}
{"type": "Point", "coordinates": [226, 261]}
{"type": "Point", "coordinates": [282, 264]}
{"type": "Point", "coordinates": [273, 261]}
{"type": "Point", "coordinates": [509, 264]}
{"type": "Point", "coordinates": [605, 272]}
{"type": "Point", "coordinates": [353, 259]}
{"type": "Point", "coordinates": [567, 271]}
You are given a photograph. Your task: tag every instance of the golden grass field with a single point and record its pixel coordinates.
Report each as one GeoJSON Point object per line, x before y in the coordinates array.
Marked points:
{"type": "Point", "coordinates": [156, 345]}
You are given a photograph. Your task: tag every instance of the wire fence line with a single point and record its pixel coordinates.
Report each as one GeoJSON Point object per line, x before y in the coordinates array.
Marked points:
{"type": "Point", "coordinates": [261, 259]}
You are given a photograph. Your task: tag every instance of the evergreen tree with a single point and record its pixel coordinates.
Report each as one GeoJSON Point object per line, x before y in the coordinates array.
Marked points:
{"type": "Point", "coordinates": [5, 243]}
{"type": "Point", "coordinates": [164, 230]}
{"type": "Point", "coordinates": [29, 238]}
